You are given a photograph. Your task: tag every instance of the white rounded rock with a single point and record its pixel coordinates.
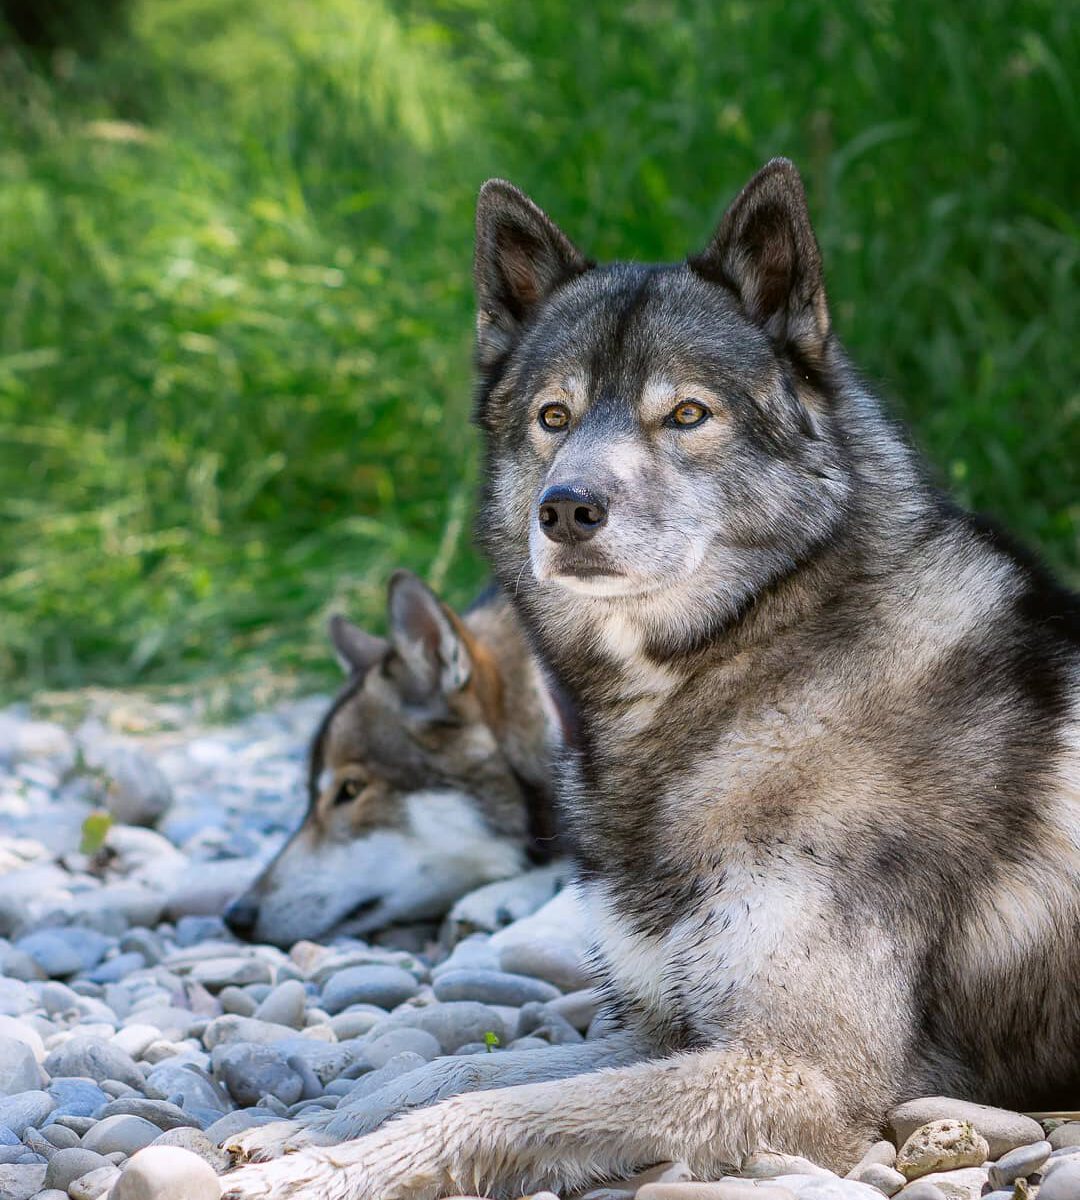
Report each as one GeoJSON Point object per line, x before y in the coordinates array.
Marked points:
{"type": "Point", "coordinates": [166, 1173]}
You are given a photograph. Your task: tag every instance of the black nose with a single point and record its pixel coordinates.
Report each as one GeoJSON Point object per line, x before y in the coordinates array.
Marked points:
{"type": "Point", "coordinates": [569, 513]}
{"type": "Point", "coordinates": [241, 916]}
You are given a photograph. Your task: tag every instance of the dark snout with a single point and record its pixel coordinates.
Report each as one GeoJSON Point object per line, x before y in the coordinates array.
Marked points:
{"type": "Point", "coordinates": [241, 917]}
{"type": "Point", "coordinates": [571, 513]}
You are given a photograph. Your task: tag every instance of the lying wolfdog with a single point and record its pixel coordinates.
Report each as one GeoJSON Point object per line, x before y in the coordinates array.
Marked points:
{"type": "Point", "coordinates": [825, 784]}
{"type": "Point", "coordinates": [428, 777]}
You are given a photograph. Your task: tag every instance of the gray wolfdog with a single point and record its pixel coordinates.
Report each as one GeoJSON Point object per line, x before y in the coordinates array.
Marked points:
{"type": "Point", "coordinates": [428, 776]}
{"type": "Point", "coordinates": [824, 787]}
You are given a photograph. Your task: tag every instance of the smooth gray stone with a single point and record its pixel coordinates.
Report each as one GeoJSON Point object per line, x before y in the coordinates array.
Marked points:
{"type": "Point", "coordinates": [285, 1005]}
{"type": "Point", "coordinates": [76, 1097]}
{"type": "Point", "coordinates": [117, 1090]}
{"type": "Point", "coordinates": [327, 1059]}
{"type": "Point", "coordinates": [20, 1155]}
{"type": "Point", "coordinates": [56, 956]}
{"type": "Point", "coordinates": [94, 1185]}
{"type": "Point", "coordinates": [251, 1072]}
{"type": "Point", "coordinates": [57, 998]}
{"type": "Point", "coordinates": [16, 965]}
{"type": "Point", "coordinates": [86, 987]}
{"type": "Point", "coordinates": [60, 1136]}
{"type": "Point", "coordinates": [542, 1021]}
{"type": "Point", "coordinates": [113, 970]}
{"type": "Point", "coordinates": [219, 972]}
{"type": "Point", "coordinates": [356, 1021]}
{"type": "Point", "coordinates": [384, 986]}
{"type": "Point", "coordinates": [230, 1030]}
{"type": "Point", "coordinates": [190, 930]}
{"type": "Point", "coordinates": [475, 1048]}
{"type": "Point", "coordinates": [886, 1179]}
{"type": "Point", "coordinates": [1019, 1164]}
{"type": "Point", "coordinates": [236, 1000]}
{"type": "Point", "coordinates": [557, 962]}
{"type": "Point", "coordinates": [313, 1085]}
{"type": "Point", "coordinates": [195, 1090]}
{"type": "Point", "coordinates": [380, 1050]}
{"type": "Point", "coordinates": [493, 987]}
{"type": "Point", "coordinates": [579, 1009]}
{"type": "Point", "coordinates": [78, 1124]}
{"type": "Point", "coordinates": [473, 952]}
{"type": "Point", "coordinates": [922, 1190]}
{"type": "Point", "coordinates": [19, 1070]}
{"type": "Point", "coordinates": [452, 1024]}
{"type": "Point", "coordinates": [144, 942]}
{"type": "Point", "coordinates": [62, 951]}
{"type": "Point", "coordinates": [93, 1058]}
{"type": "Point", "coordinates": [158, 1112]}
{"type": "Point", "coordinates": [1065, 1135]}
{"type": "Point", "coordinates": [8, 1136]}
{"type": "Point", "coordinates": [236, 1122]}
{"type": "Point", "coordinates": [16, 997]}
{"type": "Point", "coordinates": [27, 1110]}
{"type": "Point", "coordinates": [123, 1132]}
{"type": "Point", "coordinates": [198, 1143]}
{"type": "Point", "coordinates": [67, 1165]}
{"type": "Point", "coordinates": [1063, 1182]}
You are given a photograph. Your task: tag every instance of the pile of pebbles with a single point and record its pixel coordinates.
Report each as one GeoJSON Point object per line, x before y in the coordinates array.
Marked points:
{"type": "Point", "coordinates": [137, 1034]}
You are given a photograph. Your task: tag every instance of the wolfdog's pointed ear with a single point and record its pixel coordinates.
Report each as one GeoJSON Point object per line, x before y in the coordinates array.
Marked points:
{"type": "Point", "coordinates": [427, 636]}
{"type": "Point", "coordinates": [522, 256]}
{"type": "Point", "coordinates": [357, 650]}
{"type": "Point", "coordinates": [766, 252]}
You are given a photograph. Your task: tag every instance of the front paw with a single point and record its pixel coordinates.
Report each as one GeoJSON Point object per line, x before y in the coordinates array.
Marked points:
{"type": "Point", "coordinates": [266, 1142]}
{"type": "Point", "coordinates": [401, 1162]}
{"type": "Point", "coordinates": [285, 1177]}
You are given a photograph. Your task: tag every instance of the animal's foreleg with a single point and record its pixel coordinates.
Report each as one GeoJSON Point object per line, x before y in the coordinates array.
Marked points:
{"type": "Point", "coordinates": [710, 1108]}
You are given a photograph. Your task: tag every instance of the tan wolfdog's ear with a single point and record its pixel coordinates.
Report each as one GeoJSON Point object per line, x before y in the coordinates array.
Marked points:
{"type": "Point", "coordinates": [426, 635]}
{"type": "Point", "coordinates": [765, 251]}
{"type": "Point", "coordinates": [357, 650]}
{"type": "Point", "coordinates": [522, 256]}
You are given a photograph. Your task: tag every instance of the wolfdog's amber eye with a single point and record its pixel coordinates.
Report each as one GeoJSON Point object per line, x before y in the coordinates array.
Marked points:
{"type": "Point", "coordinates": [687, 415]}
{"type": "Point", "coordinates": [554, 416]}
{"type": "Point", "coordinates": [349, 790]}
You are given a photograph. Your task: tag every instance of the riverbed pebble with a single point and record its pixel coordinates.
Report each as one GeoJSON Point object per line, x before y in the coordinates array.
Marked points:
{"type": "Point", "coordinates": [1063, 1183]}
{"type": "Point", "coordinates": [94, 1058]}
{"type": "Point", "coordinates": [122, 1132]}
{"type": "Point", "coordinates": [67, 1165]}
{"type": "Point", "coordinates": [384, 986]}
{"type": "Point", "coordinates": [1020, 1163]}
{"type": "Point", "coordinates": [1065, 1135]}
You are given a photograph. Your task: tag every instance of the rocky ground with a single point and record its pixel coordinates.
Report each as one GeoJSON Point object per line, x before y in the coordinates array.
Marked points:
{"type": "Point", "coordinates": [137, 1035]}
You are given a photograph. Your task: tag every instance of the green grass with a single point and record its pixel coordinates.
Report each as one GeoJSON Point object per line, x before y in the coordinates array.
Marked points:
{"type": "Point", "coordinates": [235, 253]}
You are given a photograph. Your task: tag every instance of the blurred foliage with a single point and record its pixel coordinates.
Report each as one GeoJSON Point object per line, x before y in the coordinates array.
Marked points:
{"type": "Point", "coordinates": [235, 251]}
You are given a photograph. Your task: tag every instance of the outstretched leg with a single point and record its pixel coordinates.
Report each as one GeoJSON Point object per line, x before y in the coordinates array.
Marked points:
{"type": "Point", "coordinates": [709, 1108]}
{"type": "Point", "coordinates": [436, 1081]}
